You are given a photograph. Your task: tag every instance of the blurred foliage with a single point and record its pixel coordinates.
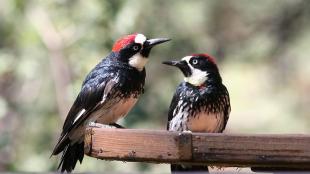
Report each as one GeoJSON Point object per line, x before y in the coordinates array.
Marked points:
{"type": "Point", "coordinates": [47, 48]}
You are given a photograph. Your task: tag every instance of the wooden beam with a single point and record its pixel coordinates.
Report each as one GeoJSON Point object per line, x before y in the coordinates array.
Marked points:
{"type": "Point", "coordinates": [198, 148]}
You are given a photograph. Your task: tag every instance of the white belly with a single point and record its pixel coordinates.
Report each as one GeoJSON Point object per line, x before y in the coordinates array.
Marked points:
{"type": "Point", "coordinates": [206, 122]}
{"type": "Point", "coordinates": [115, 111]}
{"type": "Point", "coordinates": [110, 112]}
{"type": "Point", "coordinates": [203, 122]}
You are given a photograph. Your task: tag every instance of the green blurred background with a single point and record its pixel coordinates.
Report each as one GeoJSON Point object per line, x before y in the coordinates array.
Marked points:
{"type": "Point", "coordinates": [48, 47]}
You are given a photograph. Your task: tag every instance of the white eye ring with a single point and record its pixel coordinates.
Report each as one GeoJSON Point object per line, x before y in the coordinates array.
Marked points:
{"type": "Point", "coordinates": [195, 61]}
{"type": "Point", "coordinates": [135, 47]}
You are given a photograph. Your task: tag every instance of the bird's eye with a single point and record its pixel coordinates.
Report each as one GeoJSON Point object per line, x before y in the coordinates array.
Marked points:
{"type": "Point", "coordinates": [136, 47]}
{"type": "Point", "coordinates": [195, 61]}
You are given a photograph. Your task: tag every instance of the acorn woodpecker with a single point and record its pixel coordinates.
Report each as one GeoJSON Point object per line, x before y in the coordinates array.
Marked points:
{"type": "Point", "coordinates": [108, 93]}
{"type": "Point", "coordinates": [200, 103]}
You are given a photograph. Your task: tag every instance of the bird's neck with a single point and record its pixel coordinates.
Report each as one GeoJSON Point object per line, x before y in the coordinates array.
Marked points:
{"type": "Point", "coordinates": [213, 79]}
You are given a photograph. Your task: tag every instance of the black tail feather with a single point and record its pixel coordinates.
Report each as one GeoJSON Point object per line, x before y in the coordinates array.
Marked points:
{"type": "Point", "coordinates": [70, 156]}
{"type": "Point", "coordinates": [176, 168]}
{"type": "Point", "coordinates": [60, 146]}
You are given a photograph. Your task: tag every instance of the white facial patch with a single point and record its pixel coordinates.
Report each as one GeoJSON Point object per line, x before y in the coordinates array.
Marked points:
{"type": "Point", "coordinates": [197, 77]}
{"type": "Point", "coordinates": [138, 61]}
{"type": "Point", "coordinates": [140, 38]}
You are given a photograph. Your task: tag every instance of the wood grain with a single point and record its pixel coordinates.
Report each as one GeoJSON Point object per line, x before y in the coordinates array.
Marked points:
{"type": "Point", "coordinates": [198, 148]}
{"type": "Point", "coordinates": [134, 145]}
{"type": "Point", "coordinates": [291, 151]}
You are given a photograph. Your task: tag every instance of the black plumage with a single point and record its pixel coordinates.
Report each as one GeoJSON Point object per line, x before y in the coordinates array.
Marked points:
{"type": "Point", "coordinates": [190, 101]}
{"type": "Point", "coordinates": [128, 82]}
{"type": "Point", "coordinates": [201, 102]}
{"type": "Point", "coordinates": [108, 93]}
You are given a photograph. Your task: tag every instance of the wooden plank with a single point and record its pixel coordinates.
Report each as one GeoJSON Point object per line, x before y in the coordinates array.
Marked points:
{"type": "Point", "coordinates": [136, 145]}
{"type": "Point", "coordinates": [291, 151]}
{"type": "Point", "coordinates": [198, 148]}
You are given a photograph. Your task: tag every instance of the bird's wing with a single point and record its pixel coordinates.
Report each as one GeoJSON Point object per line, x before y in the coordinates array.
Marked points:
{"type": "Point", "coordinates": [96, 98]}
{"type": "Point", "coordinates": [227, 109]}
{"type": "Point", "coordinates": [92, 96]}
{"type": "Point", "coordinates": [173, 105]}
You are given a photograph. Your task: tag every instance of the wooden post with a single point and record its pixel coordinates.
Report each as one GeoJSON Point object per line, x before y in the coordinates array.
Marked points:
{"type": "Point", "coordinates": [156, 146]}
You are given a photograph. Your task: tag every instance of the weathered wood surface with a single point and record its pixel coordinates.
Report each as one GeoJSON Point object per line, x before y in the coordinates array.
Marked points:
{"type": "Point", "coordinates": [196, 148]}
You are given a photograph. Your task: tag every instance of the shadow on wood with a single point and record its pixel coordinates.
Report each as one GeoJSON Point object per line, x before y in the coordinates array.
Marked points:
{"type": "Point", "coordinates": [233, 150]}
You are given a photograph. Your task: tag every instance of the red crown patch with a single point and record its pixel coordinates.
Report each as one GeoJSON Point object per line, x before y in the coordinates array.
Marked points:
{"type": "Point", "coordinates": [211, 59]}
{"type": "Point", "coordinates": [122, 42]}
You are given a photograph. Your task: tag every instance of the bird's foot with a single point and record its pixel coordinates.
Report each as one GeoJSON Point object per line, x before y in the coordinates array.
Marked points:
{"type": "Point", "coordinates": [187, 131]}
{"type": "Point", "coordinates": [117, 125]}
{"type": "Point", "coordinates": [99, 125]}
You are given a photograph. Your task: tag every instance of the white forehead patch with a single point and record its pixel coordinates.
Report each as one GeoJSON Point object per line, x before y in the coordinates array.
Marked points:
{"type": "Point", "coordinates": [187, 58]}
{"type": "Point", "coordinates": [140, 38]}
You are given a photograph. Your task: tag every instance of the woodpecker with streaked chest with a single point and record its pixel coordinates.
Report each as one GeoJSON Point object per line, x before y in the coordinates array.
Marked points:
{"type": "Point", "coordinates": [201, 102]}
{"type": "Point", "coordinates": [108, 93]}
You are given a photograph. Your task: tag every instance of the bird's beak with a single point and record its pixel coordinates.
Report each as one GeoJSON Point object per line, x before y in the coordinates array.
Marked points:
{"type": "Point", "coordinates": [152, 42]}
{"type": "Point", "coordinates": [182, 65]}
{"type": "Point", "coordinates": [148, 45]}
{"type": "Point", "coordinates": [173, 63]}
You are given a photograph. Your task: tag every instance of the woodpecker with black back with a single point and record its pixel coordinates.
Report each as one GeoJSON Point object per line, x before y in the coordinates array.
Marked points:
{"type": "Point", "coordinates": [200, 103]}
{"type": "Point", "coordinates": [108, 93]}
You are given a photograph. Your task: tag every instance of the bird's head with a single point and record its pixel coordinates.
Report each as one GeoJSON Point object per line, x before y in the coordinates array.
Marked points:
{"type": "Point", "coordinates": [198, 69]}
{"type": "Point", "coordinates": [135, 49]}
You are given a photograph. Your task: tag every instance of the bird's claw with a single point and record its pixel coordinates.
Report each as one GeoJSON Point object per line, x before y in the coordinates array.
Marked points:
{"type": "Point", "coordinates": [98, 125]}
{"type": "Point", "coordinates": [115, 125]}
{"type": "Point", "coordinates": [187, 131]}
